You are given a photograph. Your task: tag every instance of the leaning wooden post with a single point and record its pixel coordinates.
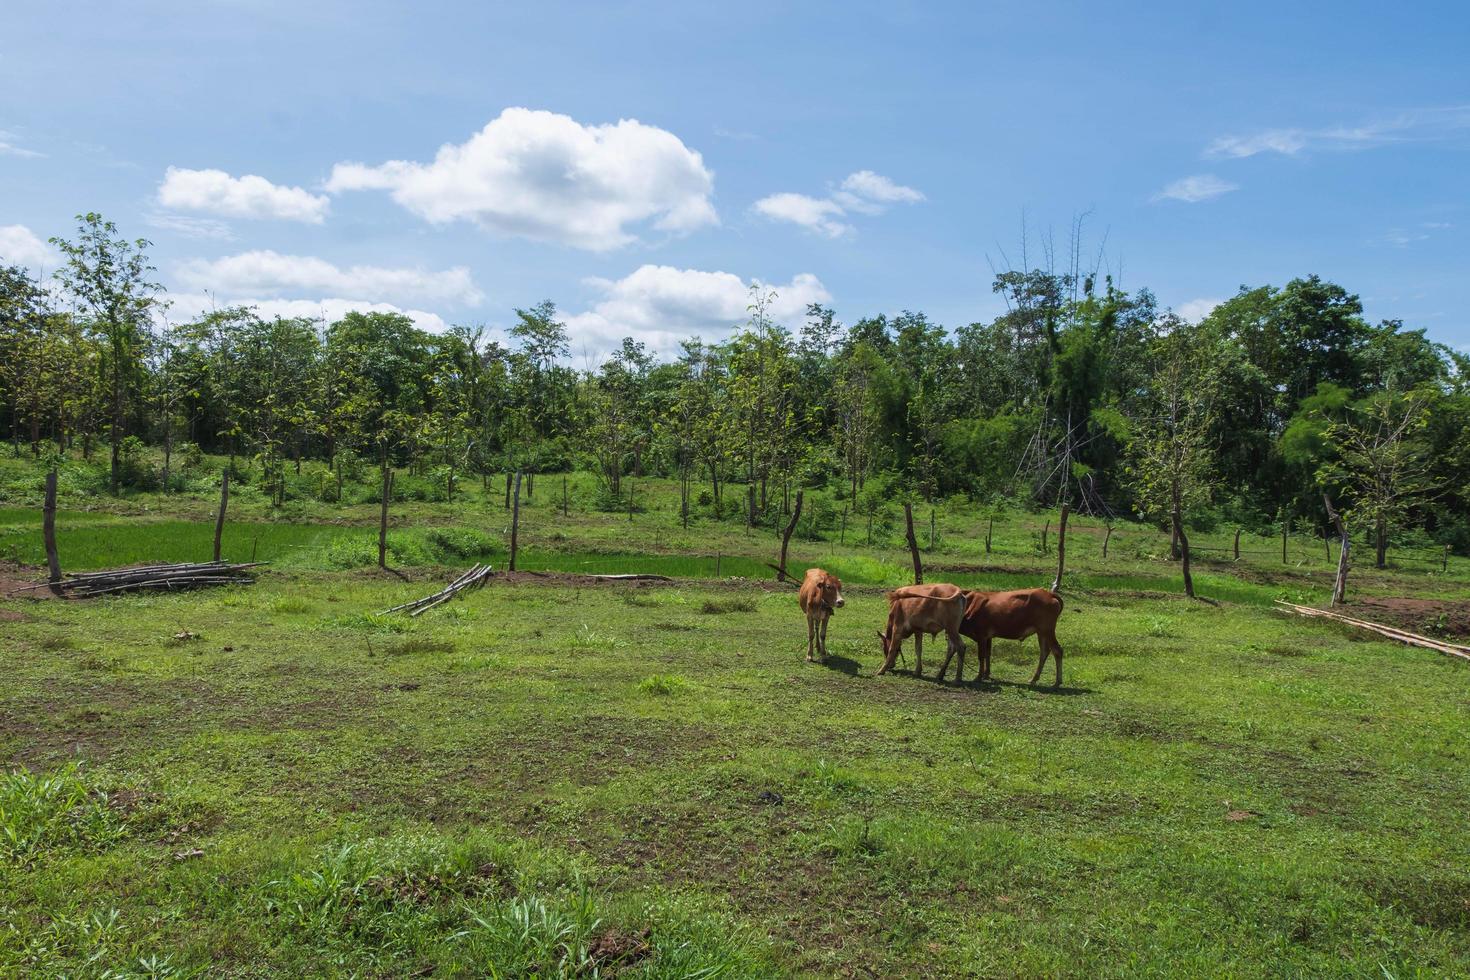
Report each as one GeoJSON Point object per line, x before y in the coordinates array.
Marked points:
{"type": "Point", "coordinates": [383, 518]}
{"type": "Point", "coordinates": [781, 575]}
{"type": "Point", "coordinates": [1106, 538]}
{"type": "Point", "coordinates": [843, 536]}
{"type": "Point", "coordinates": [48, 529]}
{"type": "Point", "coordinates": [1056, 583]}
{"type": "Point", "coordinates": [931, 528]}
{"type": "Point", "coordinates": [563, 495]}
{"type": "Point", "coordinates": [1339, 586]}
{"type": "Point", "coordinates": [1284, 526]}
{"type": "Point", "coordinates": [1237, 544]}
{"type": "Point", "coordinates": [224, 501]}
{"type": "Point", "coordinates": [1044, 532]}
{"type": "Point", "coordinates": [988, 529]}
{"type": "Point", "coordinates": [515, 521]}
{"type": "Point", "coordinates": [908, 519]}
{"type": "Point", "coordinates": [1327, 543]}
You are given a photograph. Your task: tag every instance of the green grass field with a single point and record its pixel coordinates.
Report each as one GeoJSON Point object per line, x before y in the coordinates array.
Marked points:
{"type": "Point", "coordinates": [559, 778]}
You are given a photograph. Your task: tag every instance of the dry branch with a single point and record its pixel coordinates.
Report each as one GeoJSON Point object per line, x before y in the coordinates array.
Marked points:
{"type": "Point", "coordinates": [475, 577]}
{"type": "Point", "coordinates": [1403, 636]}
{"type": "Point", "coordinates": [81, 585]}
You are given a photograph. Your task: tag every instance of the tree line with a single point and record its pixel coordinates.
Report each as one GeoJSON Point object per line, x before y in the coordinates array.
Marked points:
{"type": "Point", "coordinates": [1079, 393]}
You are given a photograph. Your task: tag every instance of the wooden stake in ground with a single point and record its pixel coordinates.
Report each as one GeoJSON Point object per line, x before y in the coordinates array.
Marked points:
{"type": "Point", "coordinates": [563, 495]}
{"type": "Point", "coordinates": [1106, 538]}
{"type": "Point", "coordinates": [515, 521]}
{"type": "Point", "coordinates": [1339, 585]}
{"type": "Point", "coordinates": [988, 529]}
{"type": "Point", "coordinates": [1044, 532]}
{"type": "Point", "coordinates": [383, 518]}
{"type": "Point", "coordinates": [1237, 544]}
{"type": "Point", "coordinates": [507, 490]}
{"type": "Point", "coordinates": [931, 528]}
{"type": "Point", "coordinates": [781, 575]}
{"type": "Point", "coordinates": [48, 530]}
{"type": "Point", "coordinates": [224, 502]}
{"type": "Point", "coordinates": [1056, 583]}
{"type": "Point", "coordinates": [908, 519]}
{"type": "Point", "coordinates": [1284, 526]}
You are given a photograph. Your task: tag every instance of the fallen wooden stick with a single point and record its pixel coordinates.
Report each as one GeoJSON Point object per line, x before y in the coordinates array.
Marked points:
{"type": "Point", "coordinates": [81, 585]}
{"type": "Point", "coordinates": [1393, 633]}
{"type": "Point", "coordinates": [474, 577]}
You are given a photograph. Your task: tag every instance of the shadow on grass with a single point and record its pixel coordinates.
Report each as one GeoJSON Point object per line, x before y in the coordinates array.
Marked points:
{"type": "Point", "coordinates": [845, 665]}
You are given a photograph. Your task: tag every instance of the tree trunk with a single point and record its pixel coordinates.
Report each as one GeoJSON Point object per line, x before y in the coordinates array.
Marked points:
{"type": "Point", "coordinates": [908, 518]}
{"type": "Point", "coordinates": [786, 537]}
{"type": "Point", "coordinates": [224, 502]}
{"type": "Point", "coordinates": [383, 518]}
{"type": "Point", "coordinates": [48, 530]}
{"type": "Point", "coordinates": [515, 522]}
{"type": "Point", "coordinates": [1380, 545]}
{"type": "Point", "coordinates": [1339, 585]}
{"type": "Point", "coordinates": [1183, 540]}
{"type": "Point", "coordinates": [1056, 584]}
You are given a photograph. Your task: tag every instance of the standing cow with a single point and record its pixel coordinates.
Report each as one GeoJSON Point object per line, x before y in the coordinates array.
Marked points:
{"type": "Point", "coordinates": [1011, 616]}
{"type": "Point", "coordinates": [820, 596]}
{"type": "Point", "coordinates": [920, 609]}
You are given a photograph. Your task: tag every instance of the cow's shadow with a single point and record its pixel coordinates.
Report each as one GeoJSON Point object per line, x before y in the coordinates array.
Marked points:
{"type": "Point", "coordinates": [844, 665]}
{"type": "Point", "coordinates": [993, 685]}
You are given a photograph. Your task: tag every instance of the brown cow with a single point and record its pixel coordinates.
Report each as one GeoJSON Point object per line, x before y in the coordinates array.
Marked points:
{"type": "Point", "coordinates": [937, 590]}
{"type": "Point", "coordinates": [820, 595]}
{"type": "Point", "coordinates": [919, 610]}
{"type": "Point", "coordinates": [1010, 616]}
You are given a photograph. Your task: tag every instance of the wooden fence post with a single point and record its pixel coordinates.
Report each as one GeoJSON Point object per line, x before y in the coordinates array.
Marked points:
{"type": "Point", "coordinates": [224, 502]}
{"type": "Point", "coordinates": [717, 564]}
{"type": "Point", "coordinates": [1044, 532]}
{"type": "Point", "coordinates": [988, 529]}
{"type": "Point", "coordinates": [48, 530]}
{"type": "Point", "coordinates": [1237, 544]}
{"type": "Point", "coordinates": [843, 536]}
{"type": "Point", "coordinates": [1445, 566]}
{"type": "Point", "coordinates": [781, 575]}
{"type": "Point", "coordinates": [515, 521]}
{"type": "Point", "coordinates": [563, 495]}
{"type": "Point", "coordinates": [931, 528]}
{"type": "Point", "coordinates": [383, 517]}
{"type": "Point", "coordinates": [1106, 538]}
{"type": "Point", "coordinates": [908, 518]}
{"type": "Point", "coordinates": [1056, 584]}
{"type": "Point", "coordinates": [1284, 526]}
{"type": "Point", "coordinates": [507, 490]}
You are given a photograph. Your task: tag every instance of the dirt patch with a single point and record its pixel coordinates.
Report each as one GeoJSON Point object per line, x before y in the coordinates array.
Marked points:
{"type": "Point", "coordinates": [14, 577]}
{"type": "Point", "coordinates": [1432, 617]}
{"type": "Point", "coordinates": [617, 950]}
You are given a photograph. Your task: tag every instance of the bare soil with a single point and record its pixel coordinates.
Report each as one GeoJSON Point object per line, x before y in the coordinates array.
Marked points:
{"type": "Point", "coordinates": [1432, 617]}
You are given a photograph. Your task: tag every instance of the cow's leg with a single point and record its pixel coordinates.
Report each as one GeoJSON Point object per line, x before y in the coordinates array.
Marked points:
{"type": "Point", "coordinates": [893, 651]}
{"type": "Point", "coordinates": [1056, 651]}
{"type": "Point", "coordinates": [983, 654]}
{"type": "Point", "coordinates": [811, 635]}
{"type": "Point", "coordinates": [822, 637]}
{"type": "Point", "coordinates": [918, 654]}
{"type": "Point", "coordinates": [1045, 649]}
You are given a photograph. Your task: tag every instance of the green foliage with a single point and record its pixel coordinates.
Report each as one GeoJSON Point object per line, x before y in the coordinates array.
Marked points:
{"type": "Point", "coordinates": [42, 813]}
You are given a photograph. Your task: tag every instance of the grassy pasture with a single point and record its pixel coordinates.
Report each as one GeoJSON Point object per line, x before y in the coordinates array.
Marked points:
{"type": "Point", "coordinates": [570, 779]}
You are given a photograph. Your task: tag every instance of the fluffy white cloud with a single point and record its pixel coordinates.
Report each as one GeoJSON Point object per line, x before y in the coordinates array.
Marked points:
{"type": "Point", "coordinates": [863, 192]}
{"type": "Point", "coordinates": [21, 246]}
{"type": "Point", "coordinates": [186, 306]}
{"type": "Point", "coordinates": [544, 176]}
{"type": "Point", "coordinates": [1192, 190]}
{"type": "Point", "coordinates": [818, 214]}
{"type": "Point", "coordinates": [661, 306]}
{"type": "Point", "coordinates": [1195, 310]}
{"type": "Point", "coordinates": [216, 192]}
{"type": "Point", "coordinates": [267, 273]}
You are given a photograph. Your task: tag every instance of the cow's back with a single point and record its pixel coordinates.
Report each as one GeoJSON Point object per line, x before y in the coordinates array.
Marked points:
{"type": "Point", "coordinates": [1011, 615]}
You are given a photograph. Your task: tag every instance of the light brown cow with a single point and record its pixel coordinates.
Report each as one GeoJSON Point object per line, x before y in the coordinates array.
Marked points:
{"type": "Point", "coordinates": [918, 610]}
{"type": "Point", "coordinates": [934, 590]}
{"type": "Point", "coordinates": [1010, 616]}
{"type": "Point", "coordinates": [820, 596]}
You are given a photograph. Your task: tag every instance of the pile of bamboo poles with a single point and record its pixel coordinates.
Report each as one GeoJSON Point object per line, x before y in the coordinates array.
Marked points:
{"type": "Point", "coordinates": [82, 585]}
{"type": "Point", "coordinates": [1393, 633]}
{"type": "Point", "coordinates": [474, 578]}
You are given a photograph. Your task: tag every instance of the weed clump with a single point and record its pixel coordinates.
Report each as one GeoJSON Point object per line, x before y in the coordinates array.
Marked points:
{"type": "Point", "coordinates": [662, 685]}
{"type": "Point", "coordinates": [718, 607]}
{"type": "Point", "coordinates": [42, 813]}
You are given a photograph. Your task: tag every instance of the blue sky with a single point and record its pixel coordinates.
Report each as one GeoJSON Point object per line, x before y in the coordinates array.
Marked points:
{"type": "Point", "coordinates": [639, 162]}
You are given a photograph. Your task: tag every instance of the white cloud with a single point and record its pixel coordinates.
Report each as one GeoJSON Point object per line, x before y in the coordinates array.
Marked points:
{"type": "Point", "coordinates": [250, 196]}
{"type": "Point", "coordinates": [21, 246]}
{"type": "Point", "coordinates": [188, 226]}
{"type": "Point", "coordinates": [1415, 124]}
{"type": "Point", "coordinates": [187, 306]}
{"type": "Point", "coordinates": [876, 187]}
{"type": "Point", "coordinates": [8, 148]}
{"type": "Point", "coordinates": [818, 214]}
{"type": "Point", "coordinates": [661, 306]}
{"type": "Point", "coordinates": [267, 273]}
{"type": "Point", "coordinates": [1195, 310]}
{"type": "Point", "coordinates": [544, 176]}
{"type": "Point", "coordinates": [1192, 190]}
{"type": "Point", "coordinates": [863, 192]}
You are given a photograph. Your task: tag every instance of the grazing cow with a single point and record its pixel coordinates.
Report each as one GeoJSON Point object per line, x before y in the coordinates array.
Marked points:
{"type": "Point", "coordinates": [922, 609]}
{"type": "Point", "coordinates": [1011, 616]}
{"type": "Point", "coordinates": [820, 596]}
{"type": "Point", "coordinates": [935, 590]}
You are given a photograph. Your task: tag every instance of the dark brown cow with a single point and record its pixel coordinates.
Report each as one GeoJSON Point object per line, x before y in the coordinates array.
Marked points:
{"type": "Point", "coordinates": [1010, 616]}
{"type": "Point", "coordinates": [821, 593]}
{"type": "Point", "coordinates": [920, 609]}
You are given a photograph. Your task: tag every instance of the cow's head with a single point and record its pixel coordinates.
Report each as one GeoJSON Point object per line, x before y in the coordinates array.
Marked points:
{"type": "Point", "coordinates": [831, 591]}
